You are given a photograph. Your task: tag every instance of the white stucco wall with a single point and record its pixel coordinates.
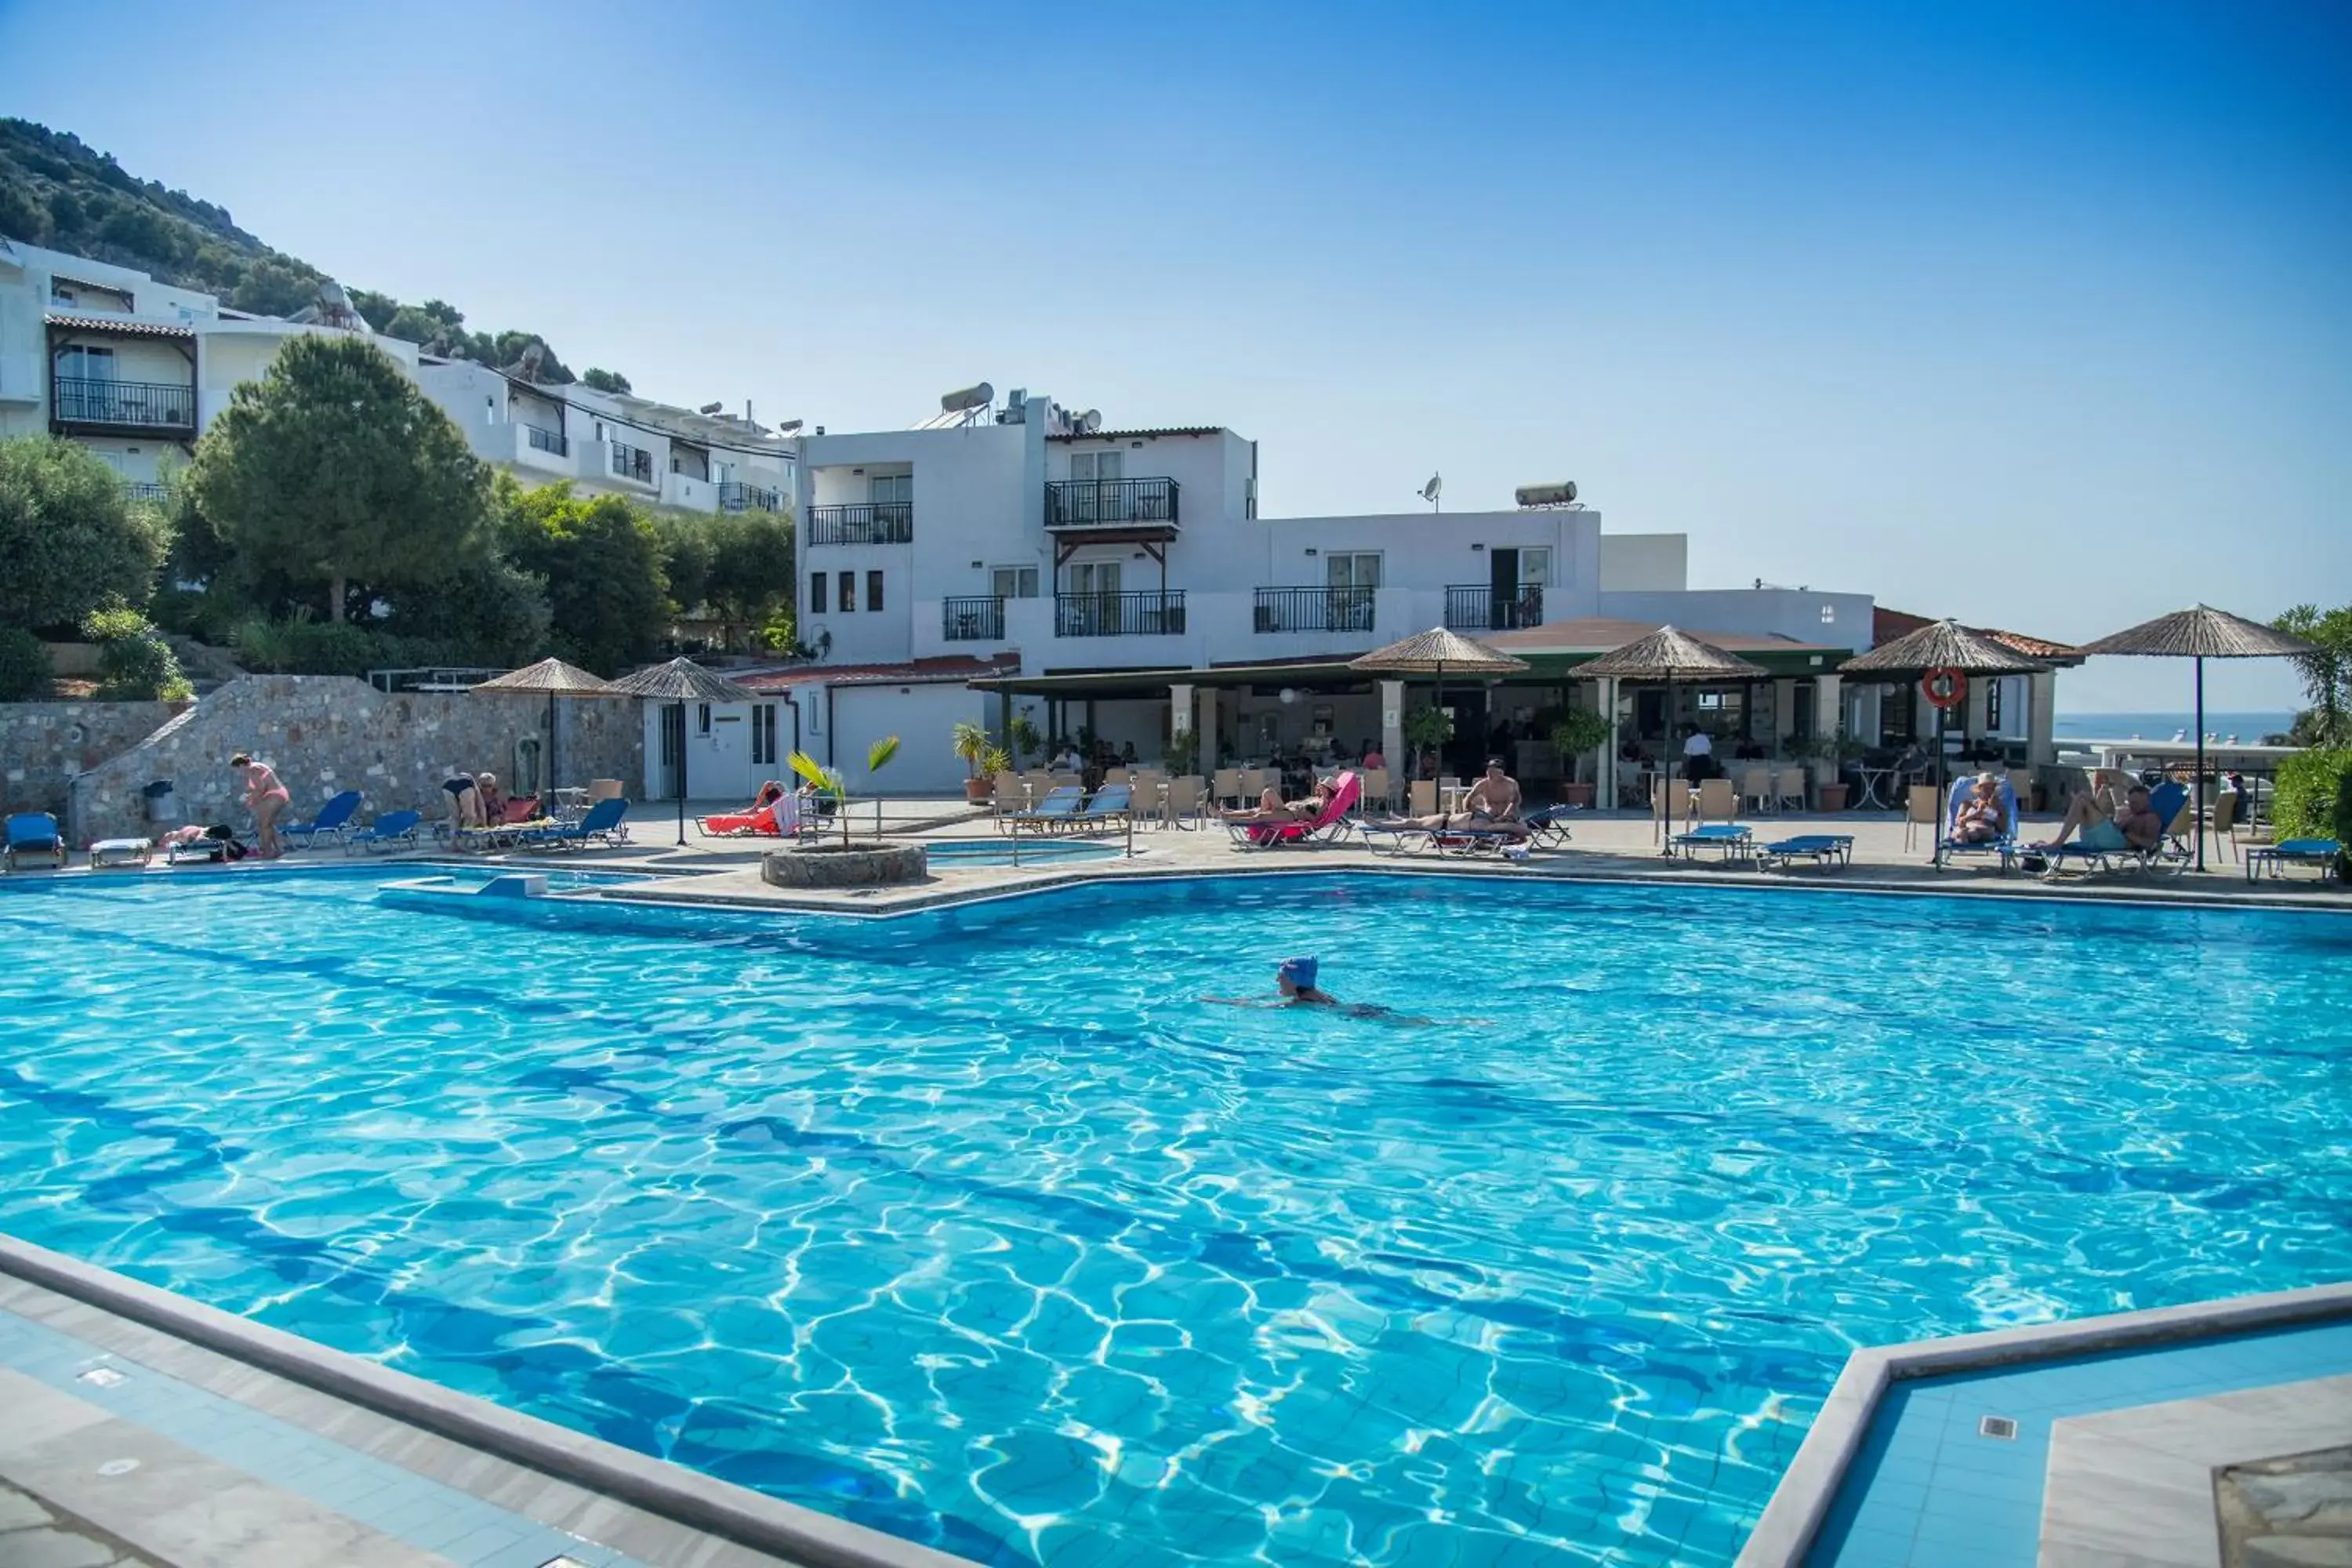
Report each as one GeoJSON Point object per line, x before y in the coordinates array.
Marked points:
{"type": "Point", "coordinates": [1645, 562]}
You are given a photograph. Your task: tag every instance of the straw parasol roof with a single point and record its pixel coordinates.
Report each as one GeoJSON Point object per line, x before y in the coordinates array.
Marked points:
{"type": "Point", "coordinates": [1667, 654]}
{"type": "Point", "coordinates": [1944, 645]}
{"type": "Point", "coordinates": [681, 680]}
{"type": "Point", "coordinates": [2201, 632]}
{"type": "Point", "coordinates": [551, 677]}
{"type": "Point", "coordinates": [1438, 652]}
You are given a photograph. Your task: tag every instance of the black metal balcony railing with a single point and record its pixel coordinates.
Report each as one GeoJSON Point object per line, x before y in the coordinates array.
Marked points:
{"type": "Point", "coordinates": [891, 522]}
{"type": "Point", "coordinates": [1314, 609]}
{"type": "Point", "coordinates": [976, 619]}
{"type": "Point", "coordinates": [1110, 503]}
{"type": "Point", "coordinates": [734, 495]}
{"type": "Point", "coordinates": [548, 440]}
{"type": "Point", "coordinates": [633, 463]}
{"type": "Point", "coordinates": [1479, 607]}
{"type": "Point", "coordinates": [1153, 613]}
{"type": "Point", "coordinates": [139, 405]}
{"type": "Point", "coordinates": [146, 490]}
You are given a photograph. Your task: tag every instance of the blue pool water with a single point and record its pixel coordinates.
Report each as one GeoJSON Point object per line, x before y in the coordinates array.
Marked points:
{"type": "Point", "coordinates": [953, 852]}
{"type": "Point", "coordinates": [984, 1228]}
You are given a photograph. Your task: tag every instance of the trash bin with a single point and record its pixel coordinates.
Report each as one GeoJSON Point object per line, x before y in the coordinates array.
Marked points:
{"type": "Point", "coordinates": [161, 806]}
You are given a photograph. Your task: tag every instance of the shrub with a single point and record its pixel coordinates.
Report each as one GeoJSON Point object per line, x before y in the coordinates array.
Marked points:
{"type": "Point", "coordinates": [329, 647]}
{"type": "Point", "coordinates": [69, 544]}
{"type": "Point", "coordinates": [134, 663]}
{"type": "Point", "coordinates": [24, 669]}
{"type": "Point", "coordinates": [2310, 783]}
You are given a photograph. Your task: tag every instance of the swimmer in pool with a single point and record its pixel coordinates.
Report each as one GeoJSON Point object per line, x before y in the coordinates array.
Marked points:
{"type": "Point", "coordinates": [1293, 984]}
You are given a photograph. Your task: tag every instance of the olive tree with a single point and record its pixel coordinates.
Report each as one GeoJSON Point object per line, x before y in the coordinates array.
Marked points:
{"type": "Point", "coordinates": [69, 541]}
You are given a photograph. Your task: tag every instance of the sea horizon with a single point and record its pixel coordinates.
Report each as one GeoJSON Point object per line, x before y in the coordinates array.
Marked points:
{"type": "Point", "coordinates": [2247, 724]}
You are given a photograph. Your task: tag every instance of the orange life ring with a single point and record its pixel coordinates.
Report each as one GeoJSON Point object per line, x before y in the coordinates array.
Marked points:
{"type": "Point", "coordinates": [1945, 687]}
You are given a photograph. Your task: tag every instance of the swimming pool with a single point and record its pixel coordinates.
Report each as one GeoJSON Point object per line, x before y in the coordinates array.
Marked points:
{"type": "Point", "coordinates": [949, 852]}
{"type": "Point", "coordinates": [981, 1225]}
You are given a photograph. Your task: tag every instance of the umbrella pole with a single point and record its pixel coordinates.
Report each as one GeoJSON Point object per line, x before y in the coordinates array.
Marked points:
{"type": "Point", "coordinates": [2197, 818]}
{"type": "Point", "coordinates": [1666, 779]}
{"type": "Point", "coordinates": [681, 775]}
{"type": "Point", "coordinates": [550, 749]}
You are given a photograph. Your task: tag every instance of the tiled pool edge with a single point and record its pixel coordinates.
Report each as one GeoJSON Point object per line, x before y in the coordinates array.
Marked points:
{"type": "Point", "coordinates": [735, 1513]}
{"type": "Point", "coordinates": [1800, 1504]}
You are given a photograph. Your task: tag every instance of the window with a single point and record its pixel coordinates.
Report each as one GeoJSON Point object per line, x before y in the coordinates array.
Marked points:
{"type": "Point", "coordinates": [1828, 615]}
{"type": "Point", "coordinates": [62, 293]}
{"type": "Point", "coordinates": [763, 733]}
{"type": "Point", "coordinates": [1095, 465]}
{"type": "Point", "coordinates": [873, 590]}
{"type": "Point", "coordinates": [1534, 566]}
{"type": "Point", "coordinates": [1992, 704]}
{"type": "Point", "coordinates": [817, 594]}
{"type": "Point", "coordinates": [1352, 571]}
{"type": "Point", "coordinates": [90, 363]}
{"type": "Point", "coordinates": [848, 600]}
{"type": "Point", "coordinates": [891, 490]}
{"type": "Point", "coordinates": [702, 719]}
{"type": "Point", "coordinates": [1014, 581]}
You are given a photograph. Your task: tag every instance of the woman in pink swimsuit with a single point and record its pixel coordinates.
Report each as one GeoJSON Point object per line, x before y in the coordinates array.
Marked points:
{"type": "Point", "coordinates": [266, 797]}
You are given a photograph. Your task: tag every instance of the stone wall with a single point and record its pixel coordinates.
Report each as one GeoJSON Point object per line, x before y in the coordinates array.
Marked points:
{"type": "Point", "coordinates": [44, 744]}
{"type": "Point", "coordinates": [325, 733]}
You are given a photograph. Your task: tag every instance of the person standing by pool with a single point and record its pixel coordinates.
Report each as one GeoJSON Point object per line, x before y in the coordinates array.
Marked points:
{"type": "Point", "coordinates": [265, 798]}
{"type": "Point", "coordinates": [465, 801]}
{"type": "Point", "coordinates": [1698, 756]}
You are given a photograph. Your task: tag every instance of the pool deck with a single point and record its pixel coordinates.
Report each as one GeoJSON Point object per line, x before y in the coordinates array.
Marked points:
{"type": "Point", "coordinates": [144, 1428]}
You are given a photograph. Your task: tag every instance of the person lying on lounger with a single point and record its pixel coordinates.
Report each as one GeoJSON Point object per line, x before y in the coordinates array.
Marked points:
{"type": "Point", "coordinates": [1981, 819]}
{"type": "Point", "coordinates": [1491, 806]}
{"type": "Point", "coordinates": [2135, 826]}
{"type": "Point", "coordinates": [1272, 807]}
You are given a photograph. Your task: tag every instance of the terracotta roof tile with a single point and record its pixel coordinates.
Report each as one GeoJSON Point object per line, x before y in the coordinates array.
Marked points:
{"type": "Point", "coordinates": [918, 672]}
{"type": "Point", "coordinates": [125, 326]}
{"type": "Point", "coordinates": [1887, 625]}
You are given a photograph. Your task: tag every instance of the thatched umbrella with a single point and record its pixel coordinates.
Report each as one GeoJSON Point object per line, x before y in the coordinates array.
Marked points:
{"type": "Point", "coordinates": [556, 678]}
{"type": "Point", "coordinates": [2200, 633]}
{"type": "Point", "coordinates": [1670, 656]}
{"type": "Point", "coordinates": [1941, 646]}
{"type": "Point", "coordinates": [681, 681]}
{"type": "Point", "coordinates": [1435, 651]}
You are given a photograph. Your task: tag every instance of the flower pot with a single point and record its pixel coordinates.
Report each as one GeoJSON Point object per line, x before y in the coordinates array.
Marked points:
{"type": "Point", "coordinates": [1576, 795]}
{"type": "Point", "coordinates": [977, 792]}
{"type": "Point", "coordinates": [1832, 796]}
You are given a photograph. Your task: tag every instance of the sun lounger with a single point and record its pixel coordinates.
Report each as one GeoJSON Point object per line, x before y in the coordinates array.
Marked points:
{"type": "Point", "coordinates": [2318, 853]}
{"type": "Point", "coordinates": [1728, 840]}
{"type": "Point", "coordinates": [1328, 825]}
{"type": "Point", "coordinates": [1949, 848]}
{"type": "Point", "coordinates": [200, 851]}
{"type": "Point", "coordinates": [780, 818]}
{"type": "Point", "coordinates": [1052, 813]}
{"type": "Point", "coordinates": [1548, 827]}
{"type": "Point", "coordinates": [32, 832]}
{"type": "Point", "coordinates": [1821, 848]}
{"type": "Point", "coordinates": [1400, 838]}
{"type": "Point", "coordinates": [333, 821]}
{"type": "Point", "coordinates": [122, 852]}
{"type": "Point", "coordinates": [390, 830]}
{"type": "Point", "coordinates": [1109, 807]}
{"type": "Point", "coordinates": [601, 826]}
{"type": "Point", "coordinates": [2167, 853]}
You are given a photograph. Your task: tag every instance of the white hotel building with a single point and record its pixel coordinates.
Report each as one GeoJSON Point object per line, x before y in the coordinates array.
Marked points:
{"type": "Point", "coordinates": [1020, 558]}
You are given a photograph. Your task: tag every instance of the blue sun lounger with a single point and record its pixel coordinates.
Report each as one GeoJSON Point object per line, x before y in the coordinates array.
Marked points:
{"type": "Point", "coordinates": [1727, 839]}
{"type": "Point", "coordinates": [1821, 848]}
{"type": "Point", "coordinates": [1107, 809]}
{"type": "Point", "coordinates": [32, 832]}
{"type": "Point", "coordinates": [1949, 848]}
{"type": "Point", "coordinates": [1548, 826]}
{"type": "Point", "coordinates": [2166, 853]}
{"type": "Point", "coordinates": [391, 828]}
{"type": "Point", "coordinates": [1052, 813]}
{"type": "Point", "coordinates": [333, 821]}
{"type": "Point", "coordinates": [2319, 853]}
{"type": "Point", "coordinates": [601, 826]}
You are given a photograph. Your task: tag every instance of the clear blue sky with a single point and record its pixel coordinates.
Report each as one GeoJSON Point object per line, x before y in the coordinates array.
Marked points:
{"type": "Point", "coordinates": [2034, 314]}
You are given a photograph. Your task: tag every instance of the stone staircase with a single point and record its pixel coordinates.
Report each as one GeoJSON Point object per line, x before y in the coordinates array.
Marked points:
{"type": "Point", "coordinates": [208, 669]}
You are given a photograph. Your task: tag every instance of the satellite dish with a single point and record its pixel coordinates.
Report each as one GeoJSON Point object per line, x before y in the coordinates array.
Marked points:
{"type": "Point", "coordinates": [1090, 421]}
{"type": "Point", "coordinates": [964, 399]}
{"type": "Point", "coordinates": [1429, 492]}
{"type": "Point", "coordinates": [1560, 494]}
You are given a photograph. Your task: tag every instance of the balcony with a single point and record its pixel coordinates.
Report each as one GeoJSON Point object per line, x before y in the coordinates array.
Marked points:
{"type": "Point", "coordinates": [1152, 612]}
{"type": "Point", "coordinates": [146, 490]}
{"type": "Point", "coordinates": [891, 522]}
{"type": "Point", "coordinates": [976, 619]}
{"type": "Point", "coordinates": [1479, 608]}
{"type": "Point", "coordinates": [95, 403]}
{"type": "Point", "coordinates": [633, 463]}
{"type": "Point", "coordinates": [1313, 610]}
{"type": "Point", "coordinates": [1128, 506]}
{"type": "Point", "coordinates": [736, 495]}
{"type": "Point", "coordinates": [549, 441]}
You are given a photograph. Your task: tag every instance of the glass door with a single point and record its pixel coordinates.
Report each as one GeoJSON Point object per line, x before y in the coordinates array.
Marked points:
{"type": "Point", "coordinates": [1353, 579]}
{"type": "Point", "coordinates": [1094, 598]}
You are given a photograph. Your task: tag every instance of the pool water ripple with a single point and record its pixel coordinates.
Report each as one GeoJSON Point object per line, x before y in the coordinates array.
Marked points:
{"type": "Point", "coordinates": [984, 1228]}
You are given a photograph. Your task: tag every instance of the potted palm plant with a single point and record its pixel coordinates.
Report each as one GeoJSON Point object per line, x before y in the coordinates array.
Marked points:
{"type": "Point", "coordinates": [982, 761]}
{"type": "Point", "coordinates": [1580, 732]}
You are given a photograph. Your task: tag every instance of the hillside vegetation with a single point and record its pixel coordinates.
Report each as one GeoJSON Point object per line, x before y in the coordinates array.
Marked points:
{"type": "Point", "coordinates": [58, 192]}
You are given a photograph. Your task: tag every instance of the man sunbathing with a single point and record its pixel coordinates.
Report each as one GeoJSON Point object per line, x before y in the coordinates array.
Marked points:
{"type": "Point", "coordinates": [1491, 806]}
{"type": "Point", "coordinates": [1981, 819]}
{"type": "Point", "coordinates": [2135, 826]}
{"type": "Point", "coordinates": [1272, 807]}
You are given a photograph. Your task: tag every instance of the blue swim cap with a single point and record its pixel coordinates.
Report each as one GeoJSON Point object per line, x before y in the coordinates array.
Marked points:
{"type": "Point", "coordinates": [1298, 971]}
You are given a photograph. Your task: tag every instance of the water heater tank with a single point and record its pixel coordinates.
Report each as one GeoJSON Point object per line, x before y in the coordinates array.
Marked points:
{"type": "Point", "coordinates": [1560, 494]}
{"type": "Point", "coordinates": [970, 397]}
